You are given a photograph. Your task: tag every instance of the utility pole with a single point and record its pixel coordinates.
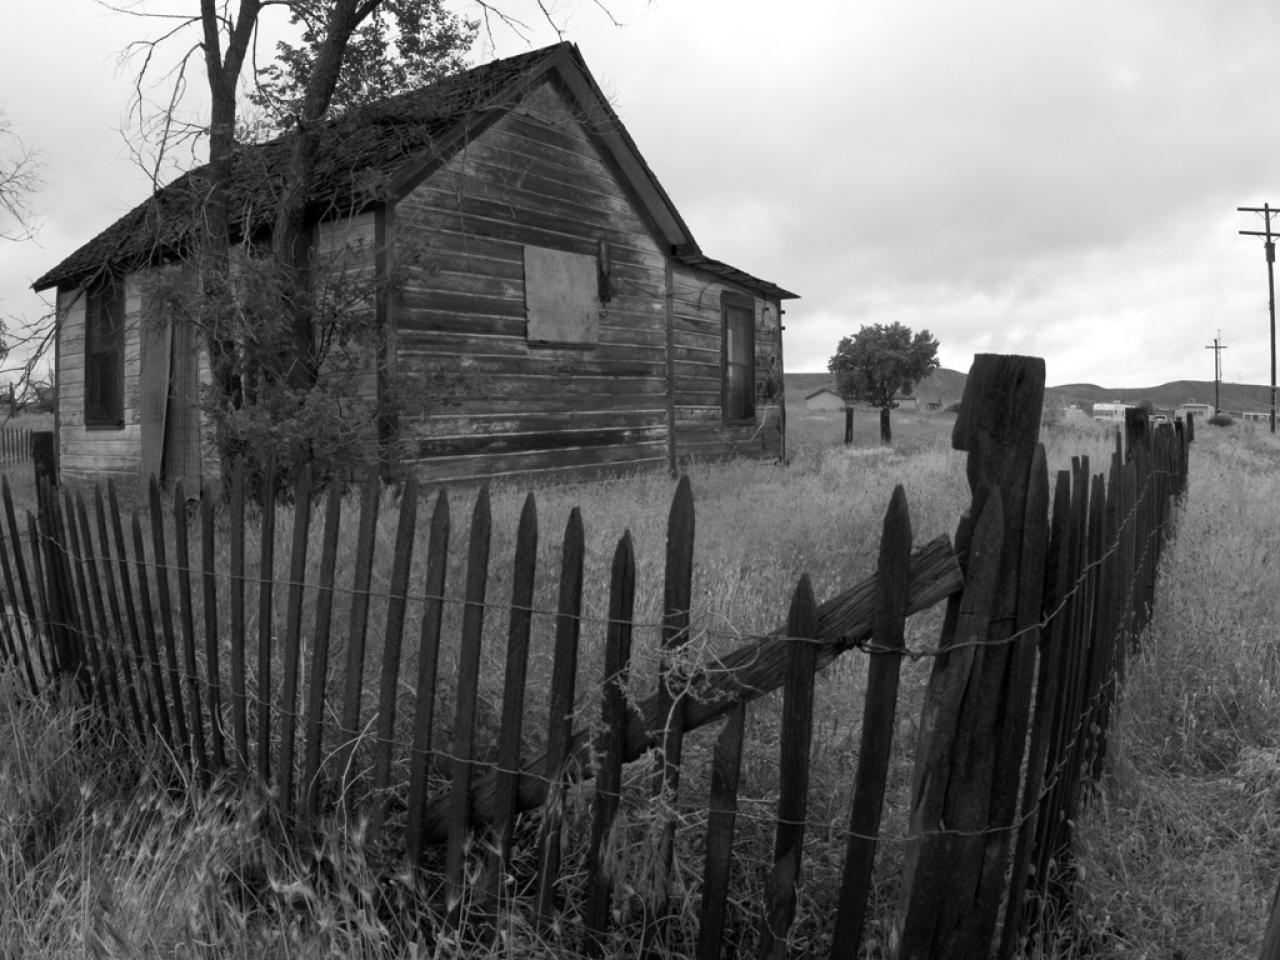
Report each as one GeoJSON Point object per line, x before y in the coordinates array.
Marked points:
{"type": "Point", "coordinates": [1269, 246]}
{"type": "Point", "coordinates": [1217, 349]}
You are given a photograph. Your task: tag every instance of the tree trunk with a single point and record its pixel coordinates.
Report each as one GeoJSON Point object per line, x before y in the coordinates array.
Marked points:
{"type": "Point", "coordinates": [215, 261]}
{"type": "Point", "coordinates": [886, 432]}
{"type": "Point", "coordinates": [290, 238]}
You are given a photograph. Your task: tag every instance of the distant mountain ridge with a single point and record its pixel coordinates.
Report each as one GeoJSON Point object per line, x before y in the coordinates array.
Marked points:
{"type": "Point", "coordinates": [947, 387]}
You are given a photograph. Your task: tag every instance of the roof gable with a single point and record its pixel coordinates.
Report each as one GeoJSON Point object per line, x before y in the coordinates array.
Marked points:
{"type": "Point", "coordinates": [379, 153]}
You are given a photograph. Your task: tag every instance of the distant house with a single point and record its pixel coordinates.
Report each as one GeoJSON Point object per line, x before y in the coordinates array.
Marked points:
{"type": "Point", "coordinates": [1201, 411]}
{"type": "Point", "coordinates": [537, 263]}
{"type": "Point", "coordinates": [824, 398]}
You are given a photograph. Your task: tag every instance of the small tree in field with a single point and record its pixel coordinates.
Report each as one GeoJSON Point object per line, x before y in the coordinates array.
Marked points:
{"type": "Point", "coordinates": [881, 361]}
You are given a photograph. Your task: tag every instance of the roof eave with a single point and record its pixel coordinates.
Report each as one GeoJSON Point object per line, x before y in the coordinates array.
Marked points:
{"type": "Point", "coordinates": [696, 259]}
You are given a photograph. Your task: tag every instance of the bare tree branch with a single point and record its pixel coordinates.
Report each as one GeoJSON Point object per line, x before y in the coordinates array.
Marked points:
{"type": "Point", "coordinates": [19, 178]}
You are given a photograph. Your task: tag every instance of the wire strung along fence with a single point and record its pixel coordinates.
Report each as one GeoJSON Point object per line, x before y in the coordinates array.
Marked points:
{"type": "Point", "coordinates": [346, 704]}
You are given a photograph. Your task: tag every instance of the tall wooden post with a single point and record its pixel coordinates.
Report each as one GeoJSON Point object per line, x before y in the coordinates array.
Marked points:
{"type": "Point", "coordinates": [969, 755]}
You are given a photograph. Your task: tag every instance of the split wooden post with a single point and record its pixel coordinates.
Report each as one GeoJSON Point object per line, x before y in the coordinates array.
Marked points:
{"type": "Point", "coordinates": [961, 809]}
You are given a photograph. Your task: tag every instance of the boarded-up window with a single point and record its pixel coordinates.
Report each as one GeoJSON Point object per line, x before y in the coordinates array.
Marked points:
{"type": "Point", "coordinates": [738, 398]}
{"type": "Point", "coordinates": [561, 296]}
{"type": "Point", "coordinates": [104, 354]}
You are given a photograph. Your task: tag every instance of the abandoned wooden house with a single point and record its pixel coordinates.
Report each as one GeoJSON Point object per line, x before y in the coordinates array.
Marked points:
{"type": "Point", "coordinates": [539, 267]}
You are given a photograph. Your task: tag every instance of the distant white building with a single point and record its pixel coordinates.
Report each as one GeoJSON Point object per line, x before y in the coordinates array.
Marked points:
{"type": "Point", "coordinates": [1202, 411]}
{"type": "Point", "coordinates": [1110, 412]}
{"type": "Point", "coordinates": [824, 398]}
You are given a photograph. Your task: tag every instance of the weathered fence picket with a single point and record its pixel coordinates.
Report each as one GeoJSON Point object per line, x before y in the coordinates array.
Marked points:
{"type": "Point", "coordinates": [313, 722]}
{"type": "Point", "coordinates": [393, 633]}
{"type": "Point", "coordinates": [353, 672]}
{"type": "Point", "coordinates": [266, 620]}
{"type": "Point", "coordinates": [293, 638]}
{"type": "Point", "coordinates": [879, 710]}
{"type": "Point", "coordinates": [239, 639]}
{"type": "Point", "coordinates": [793, 775]}
{"type": "Point", "coordinates": [428, 661]}
{"type": "Point", "coordinates": [519, 629]}
{"type": "Point", "coordinates": [467, 692]}
{"type": "Point", "coordinates": [560, 712]}
{"type": "Point", "coordinates": [610, 746]}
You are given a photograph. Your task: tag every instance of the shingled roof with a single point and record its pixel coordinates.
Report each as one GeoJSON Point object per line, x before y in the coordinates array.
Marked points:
{"type": "Point", "coordinates": [365, 156]}
{"type": "Point", "coordinates": [359, 153]}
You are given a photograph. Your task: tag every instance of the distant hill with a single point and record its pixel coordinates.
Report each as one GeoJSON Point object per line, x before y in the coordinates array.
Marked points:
{"type": "Point", "coordinates": [947, 387]}
{"type": "Point", "coordinates": [1167, 396]}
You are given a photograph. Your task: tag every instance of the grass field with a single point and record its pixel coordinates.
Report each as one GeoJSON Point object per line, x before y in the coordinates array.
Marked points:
{"type": "Point", "coordinates": [1178, 850]}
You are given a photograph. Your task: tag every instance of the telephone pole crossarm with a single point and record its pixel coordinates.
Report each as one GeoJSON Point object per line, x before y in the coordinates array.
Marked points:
{"type": "Point", "coordinates": [1269, 248]}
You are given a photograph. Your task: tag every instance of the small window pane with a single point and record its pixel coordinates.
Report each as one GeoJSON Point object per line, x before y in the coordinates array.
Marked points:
{"type": "Point", "coordinates": [739, 374]}
{"type": "Point", "coordinates": [104, 355]}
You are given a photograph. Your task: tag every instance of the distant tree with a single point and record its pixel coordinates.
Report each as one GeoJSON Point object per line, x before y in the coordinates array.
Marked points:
{"type": "Point", "coordinates": [879, 362]}
{"type": "Point", "coordinates": [1147, 407]}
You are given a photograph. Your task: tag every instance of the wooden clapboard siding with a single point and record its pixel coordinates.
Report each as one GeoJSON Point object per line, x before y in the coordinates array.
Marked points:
{"type": "Point", "coordinates": [698, 365]}
{"type": "Point", "coordinates": [502, 405]}
{"type": "Point", "coordinates": [86, 452]}
{"type": "Point", "coordinates": [571, 463]}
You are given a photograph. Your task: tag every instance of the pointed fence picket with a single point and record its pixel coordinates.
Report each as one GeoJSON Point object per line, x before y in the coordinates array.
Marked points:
{"type": "Point", "coordinates": [340, 715]}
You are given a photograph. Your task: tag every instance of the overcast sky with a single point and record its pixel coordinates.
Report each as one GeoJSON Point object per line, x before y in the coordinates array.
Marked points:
{"type": "Point", "coordinates": [1049, 178]}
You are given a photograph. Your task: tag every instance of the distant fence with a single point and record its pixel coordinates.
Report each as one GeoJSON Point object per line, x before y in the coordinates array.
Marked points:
{"type": "Point", "coordinates": [1046, 593]}
{"type": "Point", "coordinates": [15, 445]}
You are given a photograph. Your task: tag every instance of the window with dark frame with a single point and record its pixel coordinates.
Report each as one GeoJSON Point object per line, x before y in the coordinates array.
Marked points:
{"type": "Point", "coordinates": [739, 348]}
{"type": "Point", "coordinates": [104, 355]}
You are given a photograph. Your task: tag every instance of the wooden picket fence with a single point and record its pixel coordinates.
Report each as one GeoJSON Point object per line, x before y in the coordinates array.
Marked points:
{"type": "Point", "coordinates": [1047, 592]}
{"type": "Point", "coordinates": [15, 445]}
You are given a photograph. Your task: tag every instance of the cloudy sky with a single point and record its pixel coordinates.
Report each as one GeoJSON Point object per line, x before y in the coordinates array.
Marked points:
{"type": "Point", "coordinates": [1049, 177]}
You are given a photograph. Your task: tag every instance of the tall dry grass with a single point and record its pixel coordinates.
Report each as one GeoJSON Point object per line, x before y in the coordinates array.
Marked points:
{"type": "Point", "coordinates": [96, 837]}
{"type": "Point", "coordinates": [1180, 851]}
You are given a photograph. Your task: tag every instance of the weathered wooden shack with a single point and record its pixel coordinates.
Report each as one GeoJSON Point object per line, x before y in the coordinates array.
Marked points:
{"type": "Point", "coordinates": [534, 270]}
